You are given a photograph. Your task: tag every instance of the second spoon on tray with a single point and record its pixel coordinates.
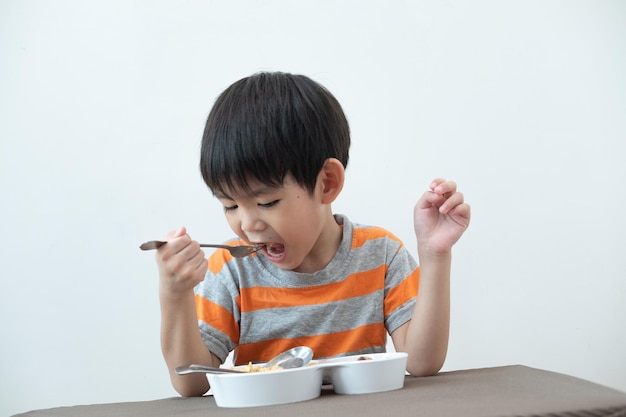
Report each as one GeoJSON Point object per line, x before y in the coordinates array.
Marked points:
{"type": "Point", "coordinates": [292, 358]}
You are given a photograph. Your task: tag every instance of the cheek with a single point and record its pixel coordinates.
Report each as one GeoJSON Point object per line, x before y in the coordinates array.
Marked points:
{"type": "Point", "coordinates": [234, 224]}
{"type": "Point", "coordinates": [283, 226]}
{"type": "Point", "coordinates": [302, 220]}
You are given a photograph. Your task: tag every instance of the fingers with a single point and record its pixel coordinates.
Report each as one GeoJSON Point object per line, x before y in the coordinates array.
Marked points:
{"type": "Point", "coordinates": [443, 194]}
{"type": "Point", "coordinates": [461, 214]}
{"type": "Point", "coordinates": [181, 261]}
{"type": "Point", "coordinates": [443, 187]}
{"type": "Point", "coordinates": [178, 241]}
{"type": "Point", "coordinates": [451, 203]}
{"type": "Point", "coordinates": [189, 263]}
{"type": "Point", "coordinates": [181, 231]}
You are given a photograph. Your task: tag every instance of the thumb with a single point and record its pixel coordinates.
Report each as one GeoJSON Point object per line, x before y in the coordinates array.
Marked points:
{"type": "Point", "coordinates": [181, 231]}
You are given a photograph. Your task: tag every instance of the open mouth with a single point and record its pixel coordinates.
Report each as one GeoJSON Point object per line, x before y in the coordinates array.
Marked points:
{"type": "Point", "coordinates": [274, 251]}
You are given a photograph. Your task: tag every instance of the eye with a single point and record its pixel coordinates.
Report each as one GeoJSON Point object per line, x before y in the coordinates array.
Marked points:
{"type": "Point", "coordinates": [270, 204]}
{"type": "Point", "coordinates": [230, 208]}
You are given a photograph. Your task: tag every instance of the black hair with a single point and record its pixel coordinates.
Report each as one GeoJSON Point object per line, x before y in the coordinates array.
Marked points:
{"type": "Point", "coordinates": [269, 125]}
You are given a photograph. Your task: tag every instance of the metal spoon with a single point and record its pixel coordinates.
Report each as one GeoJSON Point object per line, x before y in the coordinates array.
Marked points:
{"type": "Point", "coordinates": [236, 251]}
{"type": "Point", "coordinates": [301, 352]}
{"type": "Point", "coordinates": [292, 358]}
{"type": "Point", "coordinates": [195, 368]}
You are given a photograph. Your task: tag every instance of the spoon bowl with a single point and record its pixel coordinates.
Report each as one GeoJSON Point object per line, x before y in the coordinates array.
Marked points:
{"type": "Point", "coordinates": [290, 357]}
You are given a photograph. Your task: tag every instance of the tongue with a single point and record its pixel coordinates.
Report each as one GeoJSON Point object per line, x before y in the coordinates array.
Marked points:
{"type": "Point", "coordinates": [275, 249]}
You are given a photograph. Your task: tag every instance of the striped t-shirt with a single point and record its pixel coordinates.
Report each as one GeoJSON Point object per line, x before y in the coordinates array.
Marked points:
{"type": "Point", "coordinates": [250, 306]}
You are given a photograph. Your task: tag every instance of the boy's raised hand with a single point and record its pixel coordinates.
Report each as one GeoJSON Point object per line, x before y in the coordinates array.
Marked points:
{"type": "Point", "coordinates": [182, 264]}
{"type": "Point", "coordinates": [440, 217]}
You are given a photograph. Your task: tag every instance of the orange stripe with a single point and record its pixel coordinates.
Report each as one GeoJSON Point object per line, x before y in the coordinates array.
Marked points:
{"type": "Point", "coordinates": [218, 260]}
{"type": "Point", "coordinates": [218, 317]}
{"type": "Point", "coordinates": [323, 345]}
{"type": "Point", "coordinates": [361, 235]}
{"type": "Point", "coordinates": [355, 285]}
{"type": "Point", "coordinates": [400, 294]}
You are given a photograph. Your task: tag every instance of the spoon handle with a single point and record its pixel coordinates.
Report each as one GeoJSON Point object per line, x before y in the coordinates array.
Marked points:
{"type": "Point", "coordinates": [194, 368]}
{"type": "Point", "coordinates": [236, 251]}
{"type": "Point", "coordinates": [156, 244]}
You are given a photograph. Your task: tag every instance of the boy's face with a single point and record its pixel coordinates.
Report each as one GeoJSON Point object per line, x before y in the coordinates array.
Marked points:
{"type": "Point", "coordinates": [291, 222]}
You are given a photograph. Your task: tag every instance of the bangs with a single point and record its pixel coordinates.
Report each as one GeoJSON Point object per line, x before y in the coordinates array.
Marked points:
{"type": "Point", "coordinates": [230, 167]}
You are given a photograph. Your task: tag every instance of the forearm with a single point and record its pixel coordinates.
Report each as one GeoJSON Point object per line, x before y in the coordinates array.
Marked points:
{"type": "Point", "coordinates": [427, 334]}
{"type": "Point", "coordinates": [440, 218]}
{"type": "Point", "coordinates": [182, 344]}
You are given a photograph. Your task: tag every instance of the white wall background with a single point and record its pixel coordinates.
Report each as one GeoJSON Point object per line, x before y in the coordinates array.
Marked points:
{"type": "Point", "coordinates": [102, 106]}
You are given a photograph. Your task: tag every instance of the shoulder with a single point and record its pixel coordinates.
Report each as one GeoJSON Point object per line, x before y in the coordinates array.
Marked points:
{"type": "Point", "coordinates": [372, 241]}
{"type": "Point", "coordinates": [363, 235]}
{"type": "Point", "coordinates": [373, 232]}
{"type": "Point", "coordinates": [378, 255]}
{"type": "Point", "coordinates": [361, 232]}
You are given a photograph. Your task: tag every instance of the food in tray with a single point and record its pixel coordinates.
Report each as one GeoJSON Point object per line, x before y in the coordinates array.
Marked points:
{"type": "Point", "coordinates": [250, 368]}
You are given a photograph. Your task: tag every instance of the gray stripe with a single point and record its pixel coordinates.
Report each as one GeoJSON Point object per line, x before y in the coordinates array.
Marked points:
{"type": "Point", "coordinates": [312, 320]}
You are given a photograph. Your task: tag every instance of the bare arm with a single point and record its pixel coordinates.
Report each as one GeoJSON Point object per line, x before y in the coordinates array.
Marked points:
{"type": "Point", "coordinates": [181, 266]}
{"type": "Point", "coordinates": [440, 217]}
{"type": "Point", "coordinates": [425, 336]}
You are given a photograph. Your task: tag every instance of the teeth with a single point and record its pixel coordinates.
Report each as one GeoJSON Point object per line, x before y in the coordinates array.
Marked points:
{"type": "Point", "coordinates": [274, 250]}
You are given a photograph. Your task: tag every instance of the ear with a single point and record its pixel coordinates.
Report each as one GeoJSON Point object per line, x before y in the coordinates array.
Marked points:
{"type": "Point", "coordinates": [331, 179]}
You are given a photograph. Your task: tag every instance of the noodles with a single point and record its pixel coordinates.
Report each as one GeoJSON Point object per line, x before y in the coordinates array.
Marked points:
{"type": "Point", "coordinates": [258, 368]}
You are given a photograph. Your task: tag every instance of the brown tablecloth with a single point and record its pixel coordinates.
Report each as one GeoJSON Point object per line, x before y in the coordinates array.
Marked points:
{"type": "Point", "coordinates": [502, 391]}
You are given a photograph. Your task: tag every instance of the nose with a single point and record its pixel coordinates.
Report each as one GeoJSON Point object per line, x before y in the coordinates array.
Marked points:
{"type": "Point", "coordinates": [251, 222]}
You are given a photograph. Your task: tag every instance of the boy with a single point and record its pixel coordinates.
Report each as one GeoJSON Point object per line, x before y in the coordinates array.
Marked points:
{"type": "Point", "coordinates": [274, 152]}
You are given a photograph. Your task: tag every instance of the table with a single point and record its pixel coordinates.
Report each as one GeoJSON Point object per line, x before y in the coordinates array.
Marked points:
{"type": "Point", "coordinates": [501, 391]}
